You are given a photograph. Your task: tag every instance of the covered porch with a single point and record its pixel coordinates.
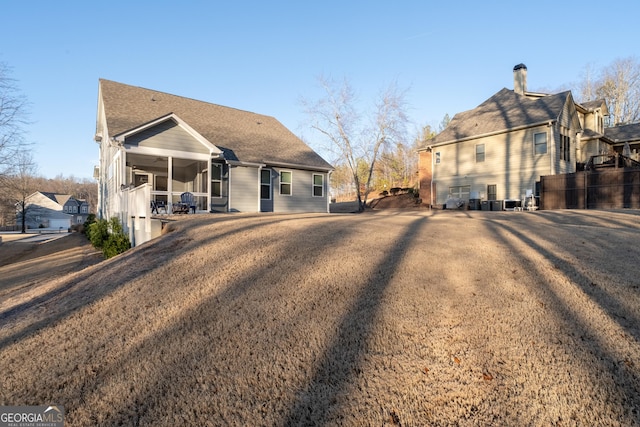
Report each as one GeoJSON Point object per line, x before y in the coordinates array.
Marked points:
{"type": "Point", "coordinates": [169, 177]}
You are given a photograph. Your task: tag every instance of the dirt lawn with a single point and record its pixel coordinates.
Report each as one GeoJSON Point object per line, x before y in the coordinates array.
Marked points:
{"type": "Point", "coordinates": [384, 318]}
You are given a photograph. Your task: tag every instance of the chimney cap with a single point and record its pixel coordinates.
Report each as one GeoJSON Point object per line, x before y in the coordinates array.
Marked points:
{"type": "Point", "coordinates": [519, 66]}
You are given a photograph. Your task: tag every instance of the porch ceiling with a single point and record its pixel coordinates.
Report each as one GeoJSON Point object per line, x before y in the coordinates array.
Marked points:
{"type": "Point", "coordinates": [139, 161]}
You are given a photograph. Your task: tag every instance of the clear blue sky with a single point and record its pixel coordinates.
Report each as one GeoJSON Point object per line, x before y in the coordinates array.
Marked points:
{"type": "Point", "coordinates": [263, 56]}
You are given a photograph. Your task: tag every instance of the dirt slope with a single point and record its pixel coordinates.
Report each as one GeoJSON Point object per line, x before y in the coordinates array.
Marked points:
{"type": "Point", "coordinates": [383, 318]}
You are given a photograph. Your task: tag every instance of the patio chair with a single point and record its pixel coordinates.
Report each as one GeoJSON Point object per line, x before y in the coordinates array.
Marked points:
{"type": "Point", "coordinates": [187, 202]}
{"type": "Point", "coordinates": [157, 206]}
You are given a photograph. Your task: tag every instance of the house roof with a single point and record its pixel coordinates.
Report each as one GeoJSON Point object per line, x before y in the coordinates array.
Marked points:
{"type": "Point", "coordinates": [241, 135]}
{"type": "Point", "coordinates": [60, 199]}
{"type": "Point", "coordinates": [504, 111]}
{"type": "Point", "coordinates": [622, 133]}
{"type": "Point", "coordinates": [598, 103]}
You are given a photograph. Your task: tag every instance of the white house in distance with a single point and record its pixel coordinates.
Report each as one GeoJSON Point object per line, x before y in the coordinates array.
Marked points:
{"type": "Point", "coordinates": [229, 160]}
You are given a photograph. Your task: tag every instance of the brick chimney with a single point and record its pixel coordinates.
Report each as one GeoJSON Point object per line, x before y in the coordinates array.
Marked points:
{"type": "Point", "coordinates": [520, 79]}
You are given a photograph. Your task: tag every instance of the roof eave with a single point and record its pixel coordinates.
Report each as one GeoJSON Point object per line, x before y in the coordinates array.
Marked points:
{"type": "Point", "coordinates": [499, 132]}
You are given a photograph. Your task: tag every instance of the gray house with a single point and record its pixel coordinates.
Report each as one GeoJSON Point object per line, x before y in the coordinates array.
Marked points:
{"type": "Point", "coordinates": [53, 211]}
{"type": "Point", "coordinates": [161, 146]}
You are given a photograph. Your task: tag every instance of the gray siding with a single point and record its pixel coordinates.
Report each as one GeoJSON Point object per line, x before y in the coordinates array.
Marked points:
{"type": "Point", "coordinates": [167, 135]}
{"type": "Point", "coordinates": [244, 189]}
{"type": "Point", "coordinates": [301, 199]}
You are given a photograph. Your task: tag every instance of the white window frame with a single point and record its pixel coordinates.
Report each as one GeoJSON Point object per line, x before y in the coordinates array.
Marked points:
{"type": "Point", "coordinates": [536, 144]}
{"type": "Point", "coordinates": [460, 191]}
{"type": "Point", "coordinates": [220, 167]}
{"type": "Point", "coordinates": [483, 152]}
{"type": "Point", "coordinates": [267, 184]}
{"type": "Point", "coordinates": [290, 183]}
{"type": "Point", "coordinates": [314, 185]}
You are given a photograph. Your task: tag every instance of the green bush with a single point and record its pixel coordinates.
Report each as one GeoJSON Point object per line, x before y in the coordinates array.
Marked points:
{"type": "Point", "coordinates": [91, 218]}
{"type": "Point", "coordinates": [109, 237]}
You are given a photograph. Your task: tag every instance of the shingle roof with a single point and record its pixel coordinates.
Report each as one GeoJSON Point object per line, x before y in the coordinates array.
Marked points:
{"type": "Point", "coordinates": [241, 135]}
{"type": "Point", "coordinates": [590, 105]}
{"type": "Point", "coordinates": [622, 133]}
{"type": "Point", "coordinates": [60, 199]}
{"type": "Point", "coordinates": [503, 111]}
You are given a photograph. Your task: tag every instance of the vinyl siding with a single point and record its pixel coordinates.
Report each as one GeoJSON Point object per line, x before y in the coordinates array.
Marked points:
{"type": "Point", "coordinates": [169, 136]}
{"type": "Point", "coordinates": [301, 199]}
{"type": "Point", "coordinates": [245, 189]}
{"type": "Point", "coordinates": [510, 164]}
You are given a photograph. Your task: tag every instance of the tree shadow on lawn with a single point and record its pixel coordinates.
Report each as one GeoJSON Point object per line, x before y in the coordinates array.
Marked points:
{"type": "Point", "coordinates": [583, 342]}
{"type": "Point", "coordinates": [192, 346]}
{"type": "Point", "coordinates": [78, 290]}
{"type": "Point", "coordinates": [340, 361]}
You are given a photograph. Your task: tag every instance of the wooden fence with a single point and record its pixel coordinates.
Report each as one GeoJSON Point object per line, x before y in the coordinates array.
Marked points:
{"type": "Point", "coordinates": [593, 189]}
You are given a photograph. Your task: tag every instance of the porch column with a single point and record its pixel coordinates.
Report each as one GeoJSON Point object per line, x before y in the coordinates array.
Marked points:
{"type": "Point", "coordinates": [170, 184]}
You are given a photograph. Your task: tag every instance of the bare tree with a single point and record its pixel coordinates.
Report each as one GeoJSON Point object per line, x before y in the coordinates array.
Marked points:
{"type": "Point", "coordinates": [354, 142]}
{"type": "Point", "coordinates": [20, 185]}
{"type": "Point", "coordinates": [619, 85]}
{"type": "Point", "coordinates": [13, 117]}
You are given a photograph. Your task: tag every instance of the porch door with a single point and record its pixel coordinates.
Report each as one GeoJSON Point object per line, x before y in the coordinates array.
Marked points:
{"type": "Point", "coordinates": [266, 192]}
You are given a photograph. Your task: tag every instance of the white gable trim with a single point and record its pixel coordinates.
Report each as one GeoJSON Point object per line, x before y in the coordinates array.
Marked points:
{"type": "Point", "coordinates": [171, 116]}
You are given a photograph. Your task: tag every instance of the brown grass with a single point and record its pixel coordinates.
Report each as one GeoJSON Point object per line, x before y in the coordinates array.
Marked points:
{"type": "Point", "coordinates": [383, 318]}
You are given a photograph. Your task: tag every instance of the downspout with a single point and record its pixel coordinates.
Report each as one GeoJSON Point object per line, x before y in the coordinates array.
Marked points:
{"type": "Point", "coordinates": [260, 188]}
{"type": "Point", "coordinates": [552, 150]}
{"type": "Point", "coordinates": [170, 183]}
{"type": "Point", "coordinates": [228, 187]}
{"type": "Point", "coordinates": [329, 191]}
{"type": "Point", "coordinates": [431, 180]}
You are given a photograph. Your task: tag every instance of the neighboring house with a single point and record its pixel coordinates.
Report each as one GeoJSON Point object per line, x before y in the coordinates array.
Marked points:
{"type": "Point", "coordinates": [53, 211]}
{"type": "Point", "coordinates": [621, 134]}
{"type": "Point", "coordinates": [500, 149]}
{"type": "Point", "coordinates": [230, 160]}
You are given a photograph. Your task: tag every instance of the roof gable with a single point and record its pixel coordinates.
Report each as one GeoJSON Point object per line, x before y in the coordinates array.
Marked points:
{"type": "Point", "coordinates": [240, 135]}
{"type": "Point", "coordinates": [169, 120]}
{"type": "Point", "coordinates": [504, 111]}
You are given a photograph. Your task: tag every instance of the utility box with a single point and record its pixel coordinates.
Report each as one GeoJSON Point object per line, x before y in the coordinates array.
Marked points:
{"type": "Point", "coordinates": [496, 205]}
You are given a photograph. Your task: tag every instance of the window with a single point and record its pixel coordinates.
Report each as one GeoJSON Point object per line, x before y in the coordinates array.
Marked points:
{"type": "Point", "coordinates": [492, 192]}
{"type": "Point", "coordinates": [265, 184]}
{"type": "Point", "coordinates": [460, 191]}
{"type": "Point", "coordinates": [565, 148]}
{"type": "Point", "coordinates": [285, 183]}
{"type": "Point", "coordinates": [479, 153]}
{"type": "Point", "coordinates": [437, 158]}
{"type": "Point", "coordinates": [85, 209]}
{"type": "Point", "coordinates": [540, 143]}
{"type": "Point", "coordinates": [216, 180]}
{"type": "Point", "coordinates": [318, 185]}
